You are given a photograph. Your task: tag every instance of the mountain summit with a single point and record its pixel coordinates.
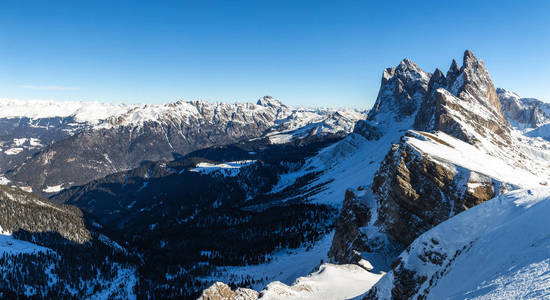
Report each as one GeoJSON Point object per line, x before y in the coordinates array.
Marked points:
{"type": "Point", "coordinates": [402, 89]}
{"type": "Point", "coordinates": [270, 101]}
{"type": "Point", "coordinates": [459, 152]}
{"type": "Point", "coordinates": [434, 147]}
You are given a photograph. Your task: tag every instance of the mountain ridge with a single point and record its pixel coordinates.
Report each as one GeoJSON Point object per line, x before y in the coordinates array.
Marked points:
{"type": "Point", "coordinates": [165, 132]}
{"type": "Point", "coordinates": [451, 148]}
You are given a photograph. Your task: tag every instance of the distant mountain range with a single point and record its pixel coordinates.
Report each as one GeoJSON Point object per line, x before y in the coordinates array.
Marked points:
{"type": "Point", "coordinates": [47, 146]}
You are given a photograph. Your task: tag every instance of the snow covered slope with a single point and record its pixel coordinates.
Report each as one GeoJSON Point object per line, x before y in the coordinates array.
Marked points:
{"type": "Point", "coordinates": [224, 169]}
{"type": "Point", "coordinates": [284, 267]}
{"type": "Point", "coordinates": [12, 246]}
{"type": "Point", "coordinates": [496, 250]}
{"type": "Point", "coordinates": [330, 282]}
{"type": "Point", "coordinates": [527, 170]}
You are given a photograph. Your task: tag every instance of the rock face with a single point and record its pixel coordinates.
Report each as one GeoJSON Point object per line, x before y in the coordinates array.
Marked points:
{"type": "Point", "coordinates": [523, 113]}
{"type": "Point", "coordinates": [221, 291]}
{"type": "Point", "coordinates": [414, 192]}
{"type": "Point", "coordinates": [348, 237]}
{"type": "Point", "coordinates": [402, 90]}
{"type": "Point", "coordinates": [426, 116]}
{"type": "Point", "coordinates": [476, 84]}
{"type": "Point", "coordinates": [464, 104]}
{"type": "Point", "coordinates": [367, 130]}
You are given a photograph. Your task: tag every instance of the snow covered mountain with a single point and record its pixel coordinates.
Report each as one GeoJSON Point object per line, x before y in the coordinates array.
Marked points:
{"type": "Point", "coordinates": [49, 146]}
{"type": "Point", "coordinates": [462, 154]}
{"type": "Point", "coordinates": [432, 147]}
{"type": "Point", "coordinates": [496, 250]}
{"type": "Point", "coordinates": [524, 114]}
{"type": "Point", "coordinates": [529, 115]}
{"type": "Point", "coordinates": [285, 203]}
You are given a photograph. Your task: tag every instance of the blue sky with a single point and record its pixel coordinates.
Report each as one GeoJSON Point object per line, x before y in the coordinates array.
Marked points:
{"type": "Point", "coordinates": [311, 53]}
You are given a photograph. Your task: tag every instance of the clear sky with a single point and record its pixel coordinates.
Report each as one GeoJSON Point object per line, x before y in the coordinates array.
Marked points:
{"type": "Point", "coordinates": [311, 53]}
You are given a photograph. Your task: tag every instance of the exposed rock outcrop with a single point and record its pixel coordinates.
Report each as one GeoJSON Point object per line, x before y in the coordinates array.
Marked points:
{"type": "Point", "coordinates": [402, 90]}
{"type": "Point", "coordinates": [415, 192]}
{"type": "Point", "coordinates": [464, 104]}
{"type": "Point", "coordinates": [425, 118]}
{"type": "Point", "coordinates": [476, 84]}
{"type": "Point", "coordinates": [221, 291]}
{"type": "Point", "coordinates": [367, 130]}
{"type": "Point", "coordinates": [348, 237]}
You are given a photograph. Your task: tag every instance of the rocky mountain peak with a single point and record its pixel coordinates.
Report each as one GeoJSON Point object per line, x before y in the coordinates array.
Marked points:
{"type": "Point", "coordinates": [408, 65]}
{"type": "Point", "coordinates": [388, 74]}
{"type": "Point", "coordinates": [401, 91]}
{"type": "Point", "coordinates": [453, 69]}
{"type": "Point", "coordinates": [270, 102]}
{"type": "Point", "coordinates": [468, 57]}
{"type": "Point", "coordinates": [505, 94]}
{"type": "Point", "coordinates": [465, 95]}
{"type": "Point", "coordinates": [453, 72]}
{"type": "Point", "coordinates": [410, 73]}
{"type": "Point", "coordinates": [437, 80]}
{"type": "Point", "coordinates": [474, 83]}
{"type": "Point", "coordinates": [426, 116]}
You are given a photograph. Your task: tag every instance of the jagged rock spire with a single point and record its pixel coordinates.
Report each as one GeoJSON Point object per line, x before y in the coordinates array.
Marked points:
{"type": "Point", "coordinates": [476, 83]}
{"type": "Point", "coordinates": [401, 92]}
{"type": "Point", "coordinates": [468, 57]}
{"type": "Point", "coordinates": [407, 64]}
{"type": "Point", "coordinates": [437, 99]}
{"type": "Point", "coordinates": [457, 94]}
{"type": "Point", "coordinates": [437, 80]}
{"type": "Point", "coordinates": [425, 118]}
{"type": "Point", "coordinates": [453, 72]}
{"type": "Point", "coordinates": [454, 69]}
